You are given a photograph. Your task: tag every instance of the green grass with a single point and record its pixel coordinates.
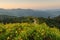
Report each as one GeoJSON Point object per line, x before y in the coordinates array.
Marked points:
{"type": "Point", "coordinates": [25, 31]}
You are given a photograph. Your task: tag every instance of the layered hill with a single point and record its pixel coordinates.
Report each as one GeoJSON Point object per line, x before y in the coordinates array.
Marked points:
{"type": "Point", "coordinates": [29, 12]}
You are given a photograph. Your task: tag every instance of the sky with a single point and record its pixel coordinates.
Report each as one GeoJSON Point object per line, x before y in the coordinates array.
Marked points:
{"type": "Point", "coordinates": [30, 4]}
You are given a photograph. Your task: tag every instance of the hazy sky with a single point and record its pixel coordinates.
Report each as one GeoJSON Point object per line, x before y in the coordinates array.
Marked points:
{"type": "Point", "coordinates": [33, 4]}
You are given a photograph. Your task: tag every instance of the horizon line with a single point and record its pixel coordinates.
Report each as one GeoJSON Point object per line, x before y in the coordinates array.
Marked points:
{"type": "Point", "coordinates": [32, 8]}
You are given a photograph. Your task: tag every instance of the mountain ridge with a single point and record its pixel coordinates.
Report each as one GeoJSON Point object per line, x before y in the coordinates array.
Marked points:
{"type": "Point", "coordinates": [29, 12]}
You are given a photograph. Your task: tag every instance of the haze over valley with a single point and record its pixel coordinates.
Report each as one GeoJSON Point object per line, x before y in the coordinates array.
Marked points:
{"type": "Point", "coordinates": [30, 12]}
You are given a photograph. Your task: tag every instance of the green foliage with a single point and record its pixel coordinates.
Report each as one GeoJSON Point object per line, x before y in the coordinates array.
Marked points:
{"type": "Point", "coordinates": [51, 22]}
{"type": "Point", "coordinates": [25, 31]}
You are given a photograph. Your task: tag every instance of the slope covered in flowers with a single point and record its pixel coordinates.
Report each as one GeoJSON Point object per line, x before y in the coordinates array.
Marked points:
{"type": "Point", "coordinates": [26, 31]}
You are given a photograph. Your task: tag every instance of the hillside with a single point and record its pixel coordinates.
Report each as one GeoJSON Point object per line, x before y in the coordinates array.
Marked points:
{"type": "Point", "coordinates": [27, 31]}
{"type": "Point", "coordinates": [29, 28]}
{"type": "Point", "coordinates": [30, 19]}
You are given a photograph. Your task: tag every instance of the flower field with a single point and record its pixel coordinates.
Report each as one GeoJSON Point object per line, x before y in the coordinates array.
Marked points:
{"type": "Point", "coordinates": [27, 31]}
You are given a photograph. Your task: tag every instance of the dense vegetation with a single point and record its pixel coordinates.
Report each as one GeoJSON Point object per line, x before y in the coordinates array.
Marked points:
{"type": "Point", "coordinates": [29, 28]}
{"type": "Point", "coordinates": [27, 31]}
{"type": "Point", "coordinates": [49, 21]}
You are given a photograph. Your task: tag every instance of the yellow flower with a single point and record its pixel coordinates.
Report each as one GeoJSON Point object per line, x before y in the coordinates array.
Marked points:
{"type": "Point", "coordinates": [16, 32]}
{"type": "Point", "coordinates": [8, 38]}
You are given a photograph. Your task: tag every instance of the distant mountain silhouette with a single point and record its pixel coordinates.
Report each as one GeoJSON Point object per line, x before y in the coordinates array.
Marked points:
{"type": "Point", "coordinates": [29, 12]}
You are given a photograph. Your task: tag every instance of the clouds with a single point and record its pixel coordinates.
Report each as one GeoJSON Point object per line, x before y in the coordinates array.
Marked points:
{"type": "Point", "coordinates": [29, 3]}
